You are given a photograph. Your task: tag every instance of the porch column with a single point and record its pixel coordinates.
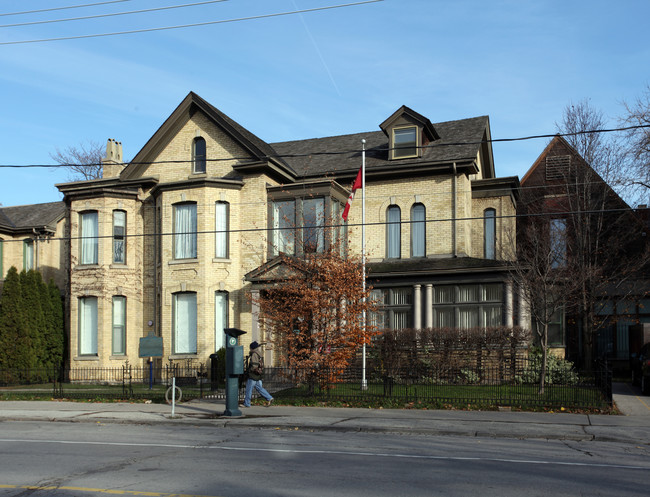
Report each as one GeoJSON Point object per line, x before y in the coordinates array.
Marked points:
{"type": "Point", "coordinates": [428, 306]}
{"type": "Point", "coordinates": [417, 306]}
{"type": "Point", "coordinates": [523, 317]}
{"type": "Point", "coordinates": [509, 304]}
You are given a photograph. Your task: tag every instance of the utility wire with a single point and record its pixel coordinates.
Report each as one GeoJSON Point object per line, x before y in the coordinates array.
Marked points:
{"type": "Point", "coordinates": [343, 152]}
{"type": "Point", "coordinates": [333, 226]}
{"type": "Point", "coordinates": [61, 8]}
{"type": "Point", "coordinates": [97, 16]}
{"type": "Point", "coordinates": [181, 26]}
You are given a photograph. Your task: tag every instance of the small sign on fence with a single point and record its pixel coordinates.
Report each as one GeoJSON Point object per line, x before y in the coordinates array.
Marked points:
{"type": "Point", "coordinates": [151, 346]}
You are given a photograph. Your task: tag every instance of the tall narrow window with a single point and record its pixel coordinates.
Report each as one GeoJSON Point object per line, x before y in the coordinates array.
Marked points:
{"type": "Point", "coordinates": [119, 325]}
{"type": "Point", "coordinates": [393, 232]}
{"type": "Point", "coordinates": [489, 229]}
{"type": "Point", "coordinates": [418, 231]}
{"type": "Point", "coordinates": [221, 230]}
{"type": "Point", "coordinates": [199, 153]}
{"type": "Point", "coordinates": [284, 224]}
{"type": "Point", "coordinates": [220, 319]}
{"type": "Point", "coordinates": [89, 240]}
{"type": "Point", "coordinates": [405, 142]}
{"type": "Point", "coordinates": [184, 322]}
{"type": "Point", "coordinates": [313, 220]}
{"type": "Point", "coordinates": [28, 255]}
{"type": "Point", "coordinates": [558, 234]}
{"type": "Point", "coordinates": [119, 237]}
{"type": "Point", "coordinates": [88, 326]}
{"type": "Point", "coordinates": [185, 231]}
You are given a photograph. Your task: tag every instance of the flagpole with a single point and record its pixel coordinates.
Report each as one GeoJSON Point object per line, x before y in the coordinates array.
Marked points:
{"type": "Point", "coordinates": [364, 383]}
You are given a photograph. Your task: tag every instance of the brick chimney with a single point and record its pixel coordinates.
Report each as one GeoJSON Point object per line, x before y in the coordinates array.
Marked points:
{"type": "Point", "coordinates": [112, 163]}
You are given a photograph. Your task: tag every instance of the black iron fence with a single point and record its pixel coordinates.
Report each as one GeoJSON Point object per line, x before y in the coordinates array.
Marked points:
{"type": "Point", "coordinates": [512, 384]}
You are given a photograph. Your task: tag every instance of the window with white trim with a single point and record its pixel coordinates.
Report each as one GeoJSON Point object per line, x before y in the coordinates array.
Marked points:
{"type": "Point", "coordinates": [119, 237]}
{"type": "Point", "coordinates": [185, 231]}
{"type": "Point", "coordinates": [221, 216]}
{"type": "Point", "coordinates": [418, 231]}
{"type": "Point", "coordinates": [87, 339]}
{"type": "Point", "coordinates": [28, 254]}
{"type": "Point", "coordinates": [405, 142]}
{"type": "Point", "coordinates": [184, 322]}
{"type": "Point", "coordinates": [220, 319]}
{"type": "Point", "coordinates": [393, 232]}
{"type": "Point", "coordinates": [119, 326]}
{"type": "Point", "coordinates": [199, 155]}
{"type": "Point", "coordinates": [89, 224]}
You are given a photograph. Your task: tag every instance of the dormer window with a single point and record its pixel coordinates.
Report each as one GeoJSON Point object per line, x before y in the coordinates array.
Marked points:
{"type": "Point", "coordinates": [405, 142]}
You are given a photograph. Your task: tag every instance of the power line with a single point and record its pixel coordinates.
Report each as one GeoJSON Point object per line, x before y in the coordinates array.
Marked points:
{"type": "Point", "coordinates": [97, 16]}
{"type": "Point", "coordinates": [342, 152]}
{"type": "Point", "coordinates": [61, 8]}
{"type": "Point", "coordinates": [181, 26]}
{"type": "Point", "coordinates": [333, 226]}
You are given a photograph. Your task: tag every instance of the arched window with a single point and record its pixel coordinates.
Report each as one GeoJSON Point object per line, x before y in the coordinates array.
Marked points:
{"type": "Point", "coordinates": [418, 231]}
{"type": "Point", "coordinates": [199, 155]}
{"type": "Point", "coordinates": [489, 232]}
{"type": "Point", "coordinates": [393, 232]}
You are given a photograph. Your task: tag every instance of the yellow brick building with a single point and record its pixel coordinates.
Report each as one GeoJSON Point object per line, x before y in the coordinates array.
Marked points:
{"type": "Point", "coordinates": [174, 242]}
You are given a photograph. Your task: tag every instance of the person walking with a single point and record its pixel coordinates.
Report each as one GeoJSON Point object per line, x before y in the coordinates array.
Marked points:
{"type": "Point", "coordinates": [255, 370]}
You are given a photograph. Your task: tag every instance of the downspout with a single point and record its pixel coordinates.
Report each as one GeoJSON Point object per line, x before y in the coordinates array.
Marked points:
{"type": "Point", "coordinates": [35, 261]}
{"type": "Point", "coordinates": [155, 267]}
{"type": "Point", "coordinates": [454, 248]}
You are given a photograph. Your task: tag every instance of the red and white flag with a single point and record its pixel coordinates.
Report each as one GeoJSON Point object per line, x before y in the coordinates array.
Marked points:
{"type": "Point", "coordinates": [355, 186]}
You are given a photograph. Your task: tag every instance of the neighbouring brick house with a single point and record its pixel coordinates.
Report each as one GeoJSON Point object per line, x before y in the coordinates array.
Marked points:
{"type": "Point", "coordinates": [31, 238]}
{"type": "Point", "coordinates": [582, 209]}
{"type": "Point", "coordinates": [173, 242]}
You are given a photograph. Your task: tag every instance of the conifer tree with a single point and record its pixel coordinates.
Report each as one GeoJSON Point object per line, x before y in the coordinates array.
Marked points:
{"type": "Point", "coordinates": [15, 343]}
{"type": "Point", "coordinates": [57, 337]}
{"type": "Point", "coordinates": [34, 318]}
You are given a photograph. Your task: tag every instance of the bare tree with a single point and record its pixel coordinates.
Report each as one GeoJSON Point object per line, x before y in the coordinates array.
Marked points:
{"type": "Point", "coordinates": [84, 162]}
{"type": "Point", "coordinates": [602, 230]}
{"type": "Point", "coordinates": [583, 125]}
{"type": "Point", "coordinates": [540, 270]}
{"type": "Point", "coordinates": [638, 145]}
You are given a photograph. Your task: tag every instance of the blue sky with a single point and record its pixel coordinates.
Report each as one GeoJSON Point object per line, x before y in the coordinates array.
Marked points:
{"type": "Point", "coordinates": [308, 75]}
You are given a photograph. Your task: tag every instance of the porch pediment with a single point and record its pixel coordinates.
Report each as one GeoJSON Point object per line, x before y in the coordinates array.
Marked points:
{"type": "Point", "coordinates": [276, 269]}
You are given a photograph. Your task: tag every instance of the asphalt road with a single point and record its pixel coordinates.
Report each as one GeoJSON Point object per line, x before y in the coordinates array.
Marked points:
{"type": "Point", "coordinates": [96, 459]}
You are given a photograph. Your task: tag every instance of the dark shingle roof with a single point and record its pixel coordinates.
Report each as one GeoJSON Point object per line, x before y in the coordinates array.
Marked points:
{"type": "Point", "coordinates": [314, 157]}
{"type": "Point", "coordinates": [23, 217]}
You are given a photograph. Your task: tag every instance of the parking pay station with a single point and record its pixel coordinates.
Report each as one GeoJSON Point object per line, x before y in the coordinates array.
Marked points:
{"type": "Point", "coordinates": [234, 368]}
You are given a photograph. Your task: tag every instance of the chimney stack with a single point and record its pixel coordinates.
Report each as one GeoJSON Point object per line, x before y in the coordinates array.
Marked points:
{"type": "Point", "coordinates": [112, 163]}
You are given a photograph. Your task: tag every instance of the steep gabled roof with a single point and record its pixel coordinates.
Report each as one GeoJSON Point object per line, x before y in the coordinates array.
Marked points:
{"type": "Point", "coordinates": [558, 143]}
{"type": "Point", "coordinates": [257, 148]}
{"type": "Point", "coordinates": [27, 217]}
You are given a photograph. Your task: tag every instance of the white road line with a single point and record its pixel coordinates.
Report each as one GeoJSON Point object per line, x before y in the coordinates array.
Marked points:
{"type": "Point", "coordinates": [337, 452]}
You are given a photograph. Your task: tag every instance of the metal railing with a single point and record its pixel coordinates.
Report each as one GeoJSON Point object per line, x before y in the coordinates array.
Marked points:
{"type": "Point", "coordinates": [488, 385]}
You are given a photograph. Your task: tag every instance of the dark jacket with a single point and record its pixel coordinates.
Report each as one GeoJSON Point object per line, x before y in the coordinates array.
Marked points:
{"type": "Point", "coordinates": [255, 365]}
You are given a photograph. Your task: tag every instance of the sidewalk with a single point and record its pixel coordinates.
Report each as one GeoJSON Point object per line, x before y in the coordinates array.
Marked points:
{"type": "Point", "coordinates": [631, 428]}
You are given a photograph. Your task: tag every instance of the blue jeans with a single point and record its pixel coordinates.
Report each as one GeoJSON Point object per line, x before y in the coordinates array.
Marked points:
{"type": "Point", "coordinates": [250, 383]}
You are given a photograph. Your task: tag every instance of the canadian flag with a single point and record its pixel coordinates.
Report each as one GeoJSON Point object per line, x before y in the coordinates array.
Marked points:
{"type": "Point", "coordinates": [355, 186]}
